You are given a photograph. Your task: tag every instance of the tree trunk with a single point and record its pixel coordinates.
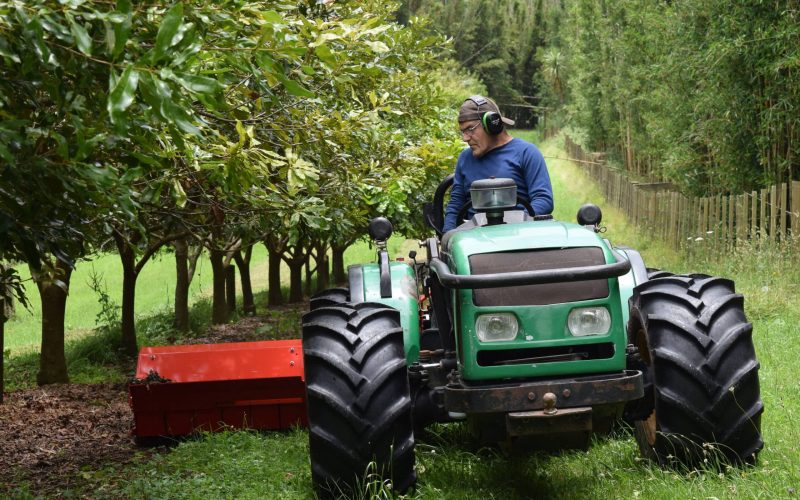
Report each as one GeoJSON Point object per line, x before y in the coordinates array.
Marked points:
{"type": "Point", "coordinates": [182, 281]}
{"type": "Point", "coordinates": [127, 248]}
{"type": "Point", "coordinates": [9, 308]}
{"type": "Point", "coordinates": [128, 325]}
{"type": "Point", "coordinates": [296, 257]}
{"type": "Point", "coordinates": [323, 270]}
{"type": "Point", "coordinates": [230, 288]}
{"type": "Point", "coordinates": [274, 295]}
{"type": "Point", "coordinates": [309, 276]}
{"type": "Point", "coordinates": [219, 308]}
{"type": "Point", "coordinates": [243, 262]}
{"type": "Point", "coordinates": [2, 347]}
{"type": "Point", "coordinates": [337, 259]}
{"type": "Point", "coordinates": [53, 293]}
{"type": "Point", "coordinates": [295, 282]}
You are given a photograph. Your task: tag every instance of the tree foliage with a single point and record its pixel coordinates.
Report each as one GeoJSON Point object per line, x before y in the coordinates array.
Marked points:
{"type": "Point", "coordinates": [142, 123]}
{"type": "Point", "coordinates": [702, 93]}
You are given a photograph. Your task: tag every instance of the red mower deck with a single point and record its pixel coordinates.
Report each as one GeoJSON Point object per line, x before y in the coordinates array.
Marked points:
{"type": "Point", "coordinates": [183, 389]}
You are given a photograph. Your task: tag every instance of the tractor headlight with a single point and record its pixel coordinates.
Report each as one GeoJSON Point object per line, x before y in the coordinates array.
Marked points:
{"type": "Point", "coordinates": [589, 321]}
{"type": "Point", "coordinates": [496, 327]}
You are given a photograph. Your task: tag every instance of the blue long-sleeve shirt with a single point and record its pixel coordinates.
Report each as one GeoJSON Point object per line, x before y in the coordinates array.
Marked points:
{"type": "Point", "coordinates": [518, 160]}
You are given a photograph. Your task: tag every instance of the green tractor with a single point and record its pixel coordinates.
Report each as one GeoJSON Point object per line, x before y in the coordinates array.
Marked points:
{"type": "Point", "coordinates": [536, 333]}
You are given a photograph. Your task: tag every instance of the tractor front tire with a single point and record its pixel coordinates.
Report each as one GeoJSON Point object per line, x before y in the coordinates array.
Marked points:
{"type": "Point", "coordinates": [329, 297]}
{"type": "Point", "coordinates": [358, 398]}
{"type": "Point", "coordinates": [695, 340]}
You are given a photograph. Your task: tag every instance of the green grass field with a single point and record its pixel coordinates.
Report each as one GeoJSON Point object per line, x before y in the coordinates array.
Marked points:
{"type": "Point", "coordinates": [276, 465]}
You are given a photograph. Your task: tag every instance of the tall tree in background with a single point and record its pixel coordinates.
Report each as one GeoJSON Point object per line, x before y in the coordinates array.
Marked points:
{"type": "Point", "coordinates": [702, 93]}
{"type": "Point", "coordinates": [497, 40]}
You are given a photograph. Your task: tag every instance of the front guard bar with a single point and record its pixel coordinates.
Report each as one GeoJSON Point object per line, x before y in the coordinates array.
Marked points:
{"type": "Point", "coordinates": [459, 281]}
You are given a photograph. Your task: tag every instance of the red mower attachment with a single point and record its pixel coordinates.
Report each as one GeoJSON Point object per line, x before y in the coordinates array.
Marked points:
{"type": "Point", "coordinates": [207, 387]}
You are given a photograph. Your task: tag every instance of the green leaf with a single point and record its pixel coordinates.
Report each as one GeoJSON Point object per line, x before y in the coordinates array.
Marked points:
{"type": "Point", "coordinates": [377, 47]}
{"type": "Point", "coordinates": [121, 96]}
{"type": "Point", "coordinates": [198, 84]}
{"type": "Point", "coordinates": [273, 17]}
{"type": "Point", "coordinates": [6, 52]}
{"type": "Point", "coordinates": [296, 89]}
{"type": "Point", "coordinates": [325, 55]}
{"type": "Point", "coordinates": [180, 194]}
{"type": "Point", "coordinates": [324, 38]}
{"type": "Point", "coordinates": [171, 109]}
{"type": "Point", "coordinates": [5, 154]}
{"type": "Point", "coordinates": [121, 29]}
{"type": "Point", "coordinates": [82, 38]}
{"type": "Point", "coordinates": [169, 31]}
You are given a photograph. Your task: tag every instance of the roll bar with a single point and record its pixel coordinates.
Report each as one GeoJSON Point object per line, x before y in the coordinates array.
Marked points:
{"type": "Point", "coordinates": [497, 280]}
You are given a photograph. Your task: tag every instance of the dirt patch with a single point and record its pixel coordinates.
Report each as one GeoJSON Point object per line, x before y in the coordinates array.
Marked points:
{"type": "Point", "coordinates": [282, 322]}
{"type": "Point", "coordinates": [50, 434]}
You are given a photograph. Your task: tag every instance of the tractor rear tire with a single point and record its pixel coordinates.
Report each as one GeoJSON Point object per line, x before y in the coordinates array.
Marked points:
{"type": "Point", "coordinates": [358, 397]}
{"type": "Point", "coordinates": [329, 297]}
{"type": "Point", "coordinates": [697, 344]}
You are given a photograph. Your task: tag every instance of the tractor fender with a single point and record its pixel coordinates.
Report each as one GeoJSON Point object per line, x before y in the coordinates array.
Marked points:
{"type": "Point", "coordinates": [636, 276]}
{"type": "Point", "coordinates": [365, 286]}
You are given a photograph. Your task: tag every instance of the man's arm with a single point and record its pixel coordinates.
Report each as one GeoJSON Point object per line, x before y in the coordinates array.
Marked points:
{"type": "Point", "coordinates": [538, 180]}
{"type": "Point", "coordinates": [457, 199]}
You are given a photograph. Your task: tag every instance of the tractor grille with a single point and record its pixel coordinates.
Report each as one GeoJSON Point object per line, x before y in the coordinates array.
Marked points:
{"type": "Point", "coordinates": [586, 352]}
{"type": "Point", "coordinates": [534, 260]}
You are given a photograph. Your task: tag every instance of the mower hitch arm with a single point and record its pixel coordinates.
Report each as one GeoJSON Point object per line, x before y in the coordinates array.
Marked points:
{"type": "Point", "coordinates": [568, 274]}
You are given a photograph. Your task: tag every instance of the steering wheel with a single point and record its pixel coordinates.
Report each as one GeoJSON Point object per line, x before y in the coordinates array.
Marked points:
{"type": "Point", "coordinates": [434, 212]}
{"type": "Point", "coordinates": [462, 213]}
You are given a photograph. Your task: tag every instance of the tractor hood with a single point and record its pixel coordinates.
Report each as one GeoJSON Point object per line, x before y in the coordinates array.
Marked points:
{"type": "Point", "coordinates": [569, 241]}
{"type": "Point", "coordinates": [518, 236]}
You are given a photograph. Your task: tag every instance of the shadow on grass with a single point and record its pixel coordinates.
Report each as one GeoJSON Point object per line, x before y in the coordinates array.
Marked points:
{"type": "Point", "coordinates": [452, 460]}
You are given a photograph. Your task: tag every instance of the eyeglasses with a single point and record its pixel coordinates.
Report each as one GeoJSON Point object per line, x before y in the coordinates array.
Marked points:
{"type": "Point", "coordinates": [469, 130]}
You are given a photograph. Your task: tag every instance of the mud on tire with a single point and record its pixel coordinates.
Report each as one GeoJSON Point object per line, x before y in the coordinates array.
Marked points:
{"type": "Point", "coordinates": [359, 404]}
{"type": "Point", "coordinates": [696, 343]}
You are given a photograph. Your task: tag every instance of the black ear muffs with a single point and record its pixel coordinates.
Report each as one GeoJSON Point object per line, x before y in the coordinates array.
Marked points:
{"type": "Point", "coordinates": [491, 121]}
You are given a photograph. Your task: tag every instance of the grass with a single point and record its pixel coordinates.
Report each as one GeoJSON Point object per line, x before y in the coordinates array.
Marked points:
{"type": "Point", "coordinates": [275, 465]}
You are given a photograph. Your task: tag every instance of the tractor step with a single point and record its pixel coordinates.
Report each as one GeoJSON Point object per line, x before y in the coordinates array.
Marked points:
{"type": "Point", "coordinates": [183, 389]}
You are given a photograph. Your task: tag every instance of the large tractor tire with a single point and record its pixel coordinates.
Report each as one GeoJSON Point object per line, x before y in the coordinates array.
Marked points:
{"type": "Point", "coordinates": [359, 403]}
{"type": "Point", "coordinates": [696, 346]}
{"type": "Point", "coordinates": [329, 297]}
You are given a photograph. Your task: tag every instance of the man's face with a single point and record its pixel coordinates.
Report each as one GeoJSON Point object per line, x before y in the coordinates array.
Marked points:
{"type": "Point", "coordinates": [476, 138]}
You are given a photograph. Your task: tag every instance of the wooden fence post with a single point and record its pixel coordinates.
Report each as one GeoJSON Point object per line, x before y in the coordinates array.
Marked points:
{"type": "Point", "coordinates": [783, 210]}
{"type": "Point", "coordinates": [795, 209]}
{"type": "Point", "coordinates": [773, 213]}
{"type": "Point", "coordinates": [764, 221]}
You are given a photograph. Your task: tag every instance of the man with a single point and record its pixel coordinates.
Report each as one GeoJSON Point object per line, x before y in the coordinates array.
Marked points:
{"type": "Point", "coordinates": [494, 153]}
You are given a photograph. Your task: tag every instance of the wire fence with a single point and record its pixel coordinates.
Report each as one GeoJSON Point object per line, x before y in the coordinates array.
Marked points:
{"type": "Point", "coordinates": [771, 214]}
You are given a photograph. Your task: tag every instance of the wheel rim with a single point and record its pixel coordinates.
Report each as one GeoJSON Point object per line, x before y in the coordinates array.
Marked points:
{"type": "Point", "coordinates": [649, 428]}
